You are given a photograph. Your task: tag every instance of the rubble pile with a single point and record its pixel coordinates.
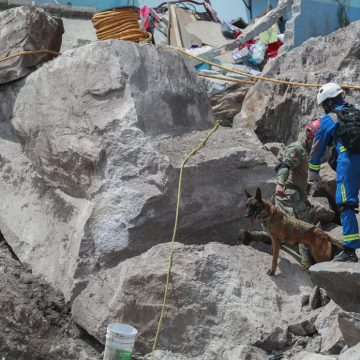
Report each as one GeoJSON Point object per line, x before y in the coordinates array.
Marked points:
{"type": "Point", "coordinates": [278, 112]}
{"type": "Point", "coordinates": [227, 103]}
{"type": "Point", "coordinates": [35, 322]}
{"type": "Point", "coordinates": [91, 144]}
{"type": "Point", "coordinates": [215, 302]}
{"type": "Point", "coordinates": [202, 34]}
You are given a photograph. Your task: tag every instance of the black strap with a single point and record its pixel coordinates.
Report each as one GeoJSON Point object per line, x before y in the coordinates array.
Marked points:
{"type": "Point", "coordinates": [343, 207]}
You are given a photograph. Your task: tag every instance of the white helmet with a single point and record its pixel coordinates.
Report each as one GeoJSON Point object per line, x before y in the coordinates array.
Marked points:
{"type": "Point", "coordinates": [328, 91]}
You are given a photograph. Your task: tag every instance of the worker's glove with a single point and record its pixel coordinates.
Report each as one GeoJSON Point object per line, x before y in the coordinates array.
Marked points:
{"type": "Point", "coordinates": [280, 190]}
{"type": "Point", "coordinates": [314, 182]}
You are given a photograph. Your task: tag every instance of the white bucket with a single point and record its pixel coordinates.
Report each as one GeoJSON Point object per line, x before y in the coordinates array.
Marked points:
{"type": "Point", "coordinates": [120, 340]}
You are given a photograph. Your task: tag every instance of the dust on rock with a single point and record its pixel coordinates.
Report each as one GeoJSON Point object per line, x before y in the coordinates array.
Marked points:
{"type": "Point", "coordinates": [35, 322]}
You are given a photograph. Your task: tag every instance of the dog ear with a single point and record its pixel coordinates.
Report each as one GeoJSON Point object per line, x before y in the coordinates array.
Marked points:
{"type": "Point", "coordinates": [258, 194]}
{"type": "Point", "coordinates": [247, 194]}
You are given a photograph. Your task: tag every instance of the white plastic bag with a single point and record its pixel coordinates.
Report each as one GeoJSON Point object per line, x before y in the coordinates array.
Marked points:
{"type": "Point", "coordinates": [257, 53]}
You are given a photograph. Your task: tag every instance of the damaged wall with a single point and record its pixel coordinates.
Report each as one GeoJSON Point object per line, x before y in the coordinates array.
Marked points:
{"type": "Point", "coordinates": [320, 18]}
{"type": "Point", "coordinates": [278, 112]}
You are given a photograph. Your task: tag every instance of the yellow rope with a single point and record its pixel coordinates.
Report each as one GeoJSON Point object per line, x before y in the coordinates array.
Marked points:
{"type": "Point", "coordinates": [30, 52]}
{"type": "Point", "coordinates": [121, 24]}
{"type": "Point", "coordinates": [227, 79]}
{"type": "Point", "coordinates": [198, 147]}
{"type": "Point", "coordinates": [293, 83]}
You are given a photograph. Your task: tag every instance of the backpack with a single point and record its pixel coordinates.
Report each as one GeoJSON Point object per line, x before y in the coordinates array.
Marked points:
{"type": "Point", "coordinates": [333, 158]}
{"type": "Point", "coordinates": [348, 129]}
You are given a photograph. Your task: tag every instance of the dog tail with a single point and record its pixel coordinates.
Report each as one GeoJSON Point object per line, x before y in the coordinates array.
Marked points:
{"type": "Point", "coordinates": [336, 242]}
{"type": "Point", "coordinates": [325, 236]}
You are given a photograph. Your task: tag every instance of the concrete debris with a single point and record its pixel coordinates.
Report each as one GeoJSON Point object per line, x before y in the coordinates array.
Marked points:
{"type": "Point", "coordinates": [269, 108]}
{"type": "Point", "coordinates": [91, 145]}
{"type": "Point", "coordinates": [262, 24]}
{"type": "Point", "coordinates": [182, 25]}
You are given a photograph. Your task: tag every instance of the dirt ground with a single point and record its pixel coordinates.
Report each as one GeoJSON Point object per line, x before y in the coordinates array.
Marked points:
{"type": "Point", "coordinates": [35, 323]}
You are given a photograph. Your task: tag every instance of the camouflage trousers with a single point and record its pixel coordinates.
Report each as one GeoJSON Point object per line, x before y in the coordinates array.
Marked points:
{"type": "Point", "coordinates": [293, 204]}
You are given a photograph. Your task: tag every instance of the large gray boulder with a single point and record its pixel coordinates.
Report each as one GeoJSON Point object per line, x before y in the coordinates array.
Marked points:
{"type": "Point", "coordinates": [349, 324]}
{"type": "Point", "coordinates": [327, 325]}
{"type": "Point", "coordinates": [341, 281]}
{"type": "Point", "coordinates": [23, 29]}
{"type": "Point", "coordinates": [219, 298]}
{"type": "Point", "coordinates": [91, 180]}
{"type": "Point", "coordinates": [278, 112]}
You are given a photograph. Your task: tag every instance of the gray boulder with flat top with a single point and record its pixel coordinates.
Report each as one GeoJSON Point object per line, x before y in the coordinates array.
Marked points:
{"type": "Point", "coordinates": [92, 179]}
{"type": "Point", "coordinates": [219, 298]}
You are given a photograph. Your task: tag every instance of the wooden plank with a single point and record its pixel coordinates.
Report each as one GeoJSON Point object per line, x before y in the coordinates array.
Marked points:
{"type": "Point", "coordinates": [185, 18]}
{"type": "Point", "coordinates": [174, 31]}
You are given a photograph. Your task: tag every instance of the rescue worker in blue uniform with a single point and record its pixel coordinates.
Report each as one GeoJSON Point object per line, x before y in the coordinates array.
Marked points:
{"type": "Point", "coordinates": [331, 97]}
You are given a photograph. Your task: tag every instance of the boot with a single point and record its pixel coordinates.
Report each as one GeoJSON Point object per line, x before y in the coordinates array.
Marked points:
{"type": "Point", "coordinates": [306, 258]}
{"type": "Point", "coordinates": [347, 255]}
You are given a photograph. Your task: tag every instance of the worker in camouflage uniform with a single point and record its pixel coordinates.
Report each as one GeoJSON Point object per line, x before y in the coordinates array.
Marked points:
{"type": "Point", "coordinates": [291, 188]}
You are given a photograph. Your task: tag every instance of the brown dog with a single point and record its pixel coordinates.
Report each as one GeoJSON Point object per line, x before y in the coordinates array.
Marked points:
{"type": "Point", "coordinates": [284, 229]}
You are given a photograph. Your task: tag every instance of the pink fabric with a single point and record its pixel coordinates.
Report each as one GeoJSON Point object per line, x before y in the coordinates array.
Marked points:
{"type": "Point", "coordinates": [144, 13]}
